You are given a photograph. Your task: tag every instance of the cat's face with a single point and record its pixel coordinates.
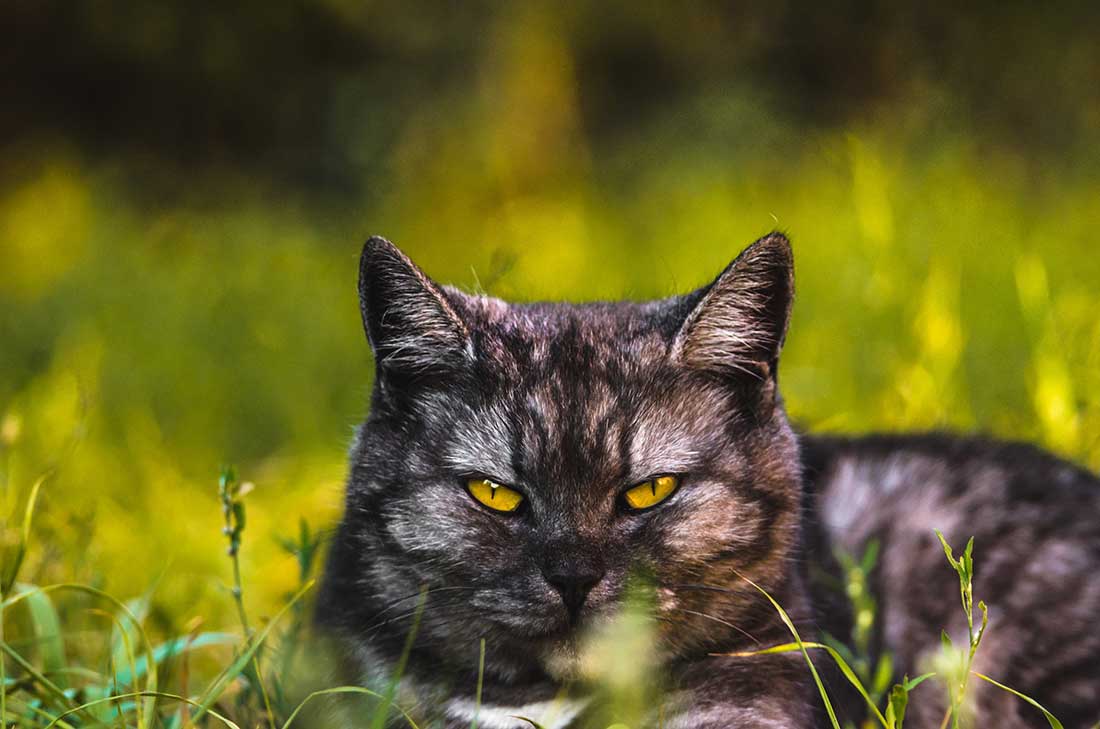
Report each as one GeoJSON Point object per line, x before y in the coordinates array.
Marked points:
{"type": "Point", "coordinates": [522, 462]}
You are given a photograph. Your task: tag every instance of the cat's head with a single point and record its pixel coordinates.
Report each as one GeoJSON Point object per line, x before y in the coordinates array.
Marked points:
{"type": "Point", "coordinates": [521, 461]}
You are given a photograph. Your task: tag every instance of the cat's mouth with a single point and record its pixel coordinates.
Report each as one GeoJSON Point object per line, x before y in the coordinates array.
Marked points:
{"type": "Point", "coordinates": [569, 628]}
{"type": "Point", "coordinates": [552, 633]}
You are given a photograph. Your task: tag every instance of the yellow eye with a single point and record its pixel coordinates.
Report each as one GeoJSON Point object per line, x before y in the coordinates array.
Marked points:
{"type": "Point", "coordinates": [494, 495]}
{"type": "Point", "coordinates": [652, 492]}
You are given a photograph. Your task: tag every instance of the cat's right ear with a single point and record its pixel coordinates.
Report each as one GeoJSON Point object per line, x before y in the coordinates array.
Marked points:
{"type": "Point", "coordinates": [409, 323]}
{"type": "Point", "coordinates": [740, 321]}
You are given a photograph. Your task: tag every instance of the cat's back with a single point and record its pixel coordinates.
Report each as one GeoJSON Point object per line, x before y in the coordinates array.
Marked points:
{"type": "Point", "coordinates": [1035, 520]}
{"type": "Point", "coordinates": [883, 483]}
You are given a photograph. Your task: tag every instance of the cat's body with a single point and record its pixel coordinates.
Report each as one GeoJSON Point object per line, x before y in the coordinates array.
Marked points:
{"type": "Point", "coordinates": [1036, 522]}
{"type": "Point", "coordinates": [570, 408]}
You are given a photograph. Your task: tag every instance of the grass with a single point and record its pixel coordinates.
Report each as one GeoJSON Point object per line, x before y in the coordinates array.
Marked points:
{"type": "Point", "coordinates": [144, 685]}
{"type": "Point", "coordinates": [955, 680]}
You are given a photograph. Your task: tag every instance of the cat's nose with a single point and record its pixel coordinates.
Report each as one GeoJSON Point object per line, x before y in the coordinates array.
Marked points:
{"type": "Point", "coordinates": [573, 585]}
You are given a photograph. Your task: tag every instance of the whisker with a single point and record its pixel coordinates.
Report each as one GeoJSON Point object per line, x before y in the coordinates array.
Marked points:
{"type": "Point", "coordinates": [422, 592]}
{"type": "Point", "coordinates": [370, 629]}
{"type": "Point", "coordinates": [738, 628]}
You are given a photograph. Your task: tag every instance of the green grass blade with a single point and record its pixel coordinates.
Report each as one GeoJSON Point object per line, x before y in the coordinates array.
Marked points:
{"type": "Point", "coordinates": [1051, 719]}
{"type": "Point", "coordinates": [55, 692]}
{"type": "Point", "coordinates": [11, 569]}
{"type": "Point", "coordinates": [259, 678]}
{"type": "Point", "coordinates": [123, 636]}
{"type": "Point", "coordinates": [870, 556]}
{"type": "Point", "coordinates": [85, 674]}
{"type": "Point", "coordinates": [834, 654]}
{"type": "Point", "coordinates": [801, 647]}
{"type": "Point", "coordinates": [884, 671]}
{"type": "Point", "coordinates": [18, 706]}
{"type": "Point", "coordinates": [914, 682]}
{"type": "Point", "coordinates": [121, 609]}
{"type": "Point", "coordinates": [344, 690]}
{"type": "Point", "coordinates": [949, 552]}
{"type": "Point", "coordinates": [171, 649]}
{"type": "Point", "coordinates": [150, 694]}
{"type": "Point", "coordinates": [107, 688]}
{"type": "Point", "coordinates": [480, 684]}
{"type": "Point", "coordinates": [46, 628]}
{"type": "Point", "coordinates": [141, 695]}
{"type": "Point", "coordinates": [215, 690]}
{"type": "Point", "coordinates": [898, 702]}
{"type": "Point", "coordinates": [380, 716]}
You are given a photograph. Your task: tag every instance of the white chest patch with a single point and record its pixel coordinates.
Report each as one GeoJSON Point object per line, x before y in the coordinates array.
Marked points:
{"type": "Point", "coordinates": [556, 714]}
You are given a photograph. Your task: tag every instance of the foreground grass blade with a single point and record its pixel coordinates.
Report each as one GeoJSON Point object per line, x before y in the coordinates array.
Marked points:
{"type": "Point", "coordinates": [141, 695]}
{"type": "Point", "coordinates": [56, 693]}
{"type": "Point", "coordinates": [171, 649]}
{"type": "Point", "coordinates": [898, 699]}
{"type": "Point", "coordinates": [19, 707]}
{"type": "Point", "coordinates": [46, 628]}
{"type": "Point", "coordinates": [11, 570]}
{"type": "Point", "coordinates": [914, 682]}
{"type": "Point", "coordinates": [214, 692]}
{"type": "Point", "coordinates": [801, 647]}
{"type": "Point", "coordinates": [480, 684]}
{"type": "Point", "coordinates": [106, 688]}
{"type": "Point", "coordinates": [345, 690]}
{"type": "Point", "coordinates": [1051, 719]}
{"type": "Point", "coordinates": [381, 716]}
{"type": "Point", "coordinates": [123, 636]}
{"type": "Point", "coordinates": [151, 683]}
{"type": "Point", "coordinates": [837, 658]}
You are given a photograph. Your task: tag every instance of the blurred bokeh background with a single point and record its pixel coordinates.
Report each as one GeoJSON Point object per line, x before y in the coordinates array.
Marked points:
{"type": "Point", "coordinates": [184, 188]}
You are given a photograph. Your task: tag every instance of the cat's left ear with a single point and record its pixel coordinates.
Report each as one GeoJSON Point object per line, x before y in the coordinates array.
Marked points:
{"type": "Point", "coordinates": [411, 326]}
{"type": "Point", "coordinates": [738, 325]}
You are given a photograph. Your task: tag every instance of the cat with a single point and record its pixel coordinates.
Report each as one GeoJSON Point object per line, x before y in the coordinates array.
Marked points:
{"type": "Point", "coordinates": [520, 462]}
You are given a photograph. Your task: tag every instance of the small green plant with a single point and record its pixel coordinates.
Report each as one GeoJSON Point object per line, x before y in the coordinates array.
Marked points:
{"type": "Point", "coordinates": [304, 548]}
{"type": "Point", "coordinates": [873, 673]}
{"type": "Point", "coordinates": [51, 688]}
{"type": "Point", "coordinates": [231, 492]}
{"type": "Point", "coordinates": [958, 681]}
{"type": "Point", "coordinates": [959, 662]}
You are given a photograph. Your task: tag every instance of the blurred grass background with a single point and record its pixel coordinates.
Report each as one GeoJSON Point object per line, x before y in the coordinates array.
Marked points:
{"type": "Point", "coordinates": [185, 187]}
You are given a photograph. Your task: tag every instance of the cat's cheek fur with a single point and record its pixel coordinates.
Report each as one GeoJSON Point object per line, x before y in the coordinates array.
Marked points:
{"type": "Point", "coordinates": [711, 521]}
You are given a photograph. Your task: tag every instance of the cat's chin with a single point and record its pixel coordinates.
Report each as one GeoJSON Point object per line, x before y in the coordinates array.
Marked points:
{"type": "Point", "coordinates": [565, 654]}
{"type": "Point", "coordinates": [561, 657]}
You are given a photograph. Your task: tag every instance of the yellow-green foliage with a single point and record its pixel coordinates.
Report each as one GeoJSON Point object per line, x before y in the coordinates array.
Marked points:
{"type": "Point", "coordinates": [145, 347]}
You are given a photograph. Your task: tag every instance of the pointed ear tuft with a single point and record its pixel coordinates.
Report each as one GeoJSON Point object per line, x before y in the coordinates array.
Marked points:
{"type": "Point", "coordinates": [409, 323]}
{"type": "Point", "coordinates": [741, 320]}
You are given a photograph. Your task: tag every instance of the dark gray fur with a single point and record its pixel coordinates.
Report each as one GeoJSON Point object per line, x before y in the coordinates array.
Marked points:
{"type": "Point", "coordinates": [572, 404]}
